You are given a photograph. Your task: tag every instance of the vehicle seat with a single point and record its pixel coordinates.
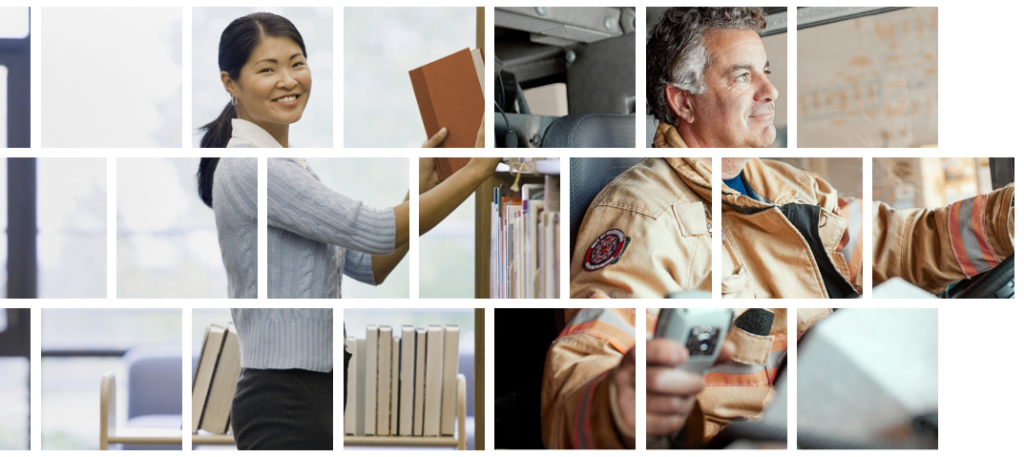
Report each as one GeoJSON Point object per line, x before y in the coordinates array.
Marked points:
{"type": "Point", "coordinates": [589, 176]}
{"type": "Point", "coordinates": [591, 131]}
{"type": "Point", "coordinates": [651, 130]}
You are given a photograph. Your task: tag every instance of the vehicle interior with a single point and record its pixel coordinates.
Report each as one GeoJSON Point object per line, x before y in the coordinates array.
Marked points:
{"type": "Point", "coordinates": [565, 77]}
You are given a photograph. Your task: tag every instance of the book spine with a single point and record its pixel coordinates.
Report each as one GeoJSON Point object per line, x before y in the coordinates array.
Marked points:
{"type": "Point", "coordinates": [384, 381]}
{"type": "Point", "coordinates": [408, 373]}
{"type": "Point", "coordinates": [351, 347]}
{"type": "Point", "coordinates": [394, 387]}
{"type": "Point", "coordinates": [435, 361]}
{"type": "Point", "coordinates": [372, 337]}
{"type": "Point", "coordinates": [426, 105]}
{"type": "Point", "coordinates": [451, 371]}
{"type": "Point", "coordinates": [358, 400]}
{"type": "Point", "coordinates": [420, 382]}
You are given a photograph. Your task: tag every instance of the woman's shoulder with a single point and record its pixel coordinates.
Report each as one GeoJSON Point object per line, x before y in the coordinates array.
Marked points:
{"type": "Point", "coordinates": [236, 142]}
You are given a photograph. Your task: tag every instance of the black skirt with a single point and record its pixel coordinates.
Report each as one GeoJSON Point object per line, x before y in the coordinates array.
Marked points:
{"type": "Point", "coordinates": [284, 410]}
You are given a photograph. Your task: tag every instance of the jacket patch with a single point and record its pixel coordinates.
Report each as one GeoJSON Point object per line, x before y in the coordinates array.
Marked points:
{"type": "Point", "coordinates": [606, 250]}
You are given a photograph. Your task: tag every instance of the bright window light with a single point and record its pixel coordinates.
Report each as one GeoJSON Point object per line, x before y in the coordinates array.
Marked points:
{"type": "Point", "coordinates": [14, 22]}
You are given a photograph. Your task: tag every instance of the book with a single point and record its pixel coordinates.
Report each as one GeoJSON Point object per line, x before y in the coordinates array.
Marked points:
{"type": "Point", "coordinates": [370, 399]}
{"type": "Point", "coordinates": [213, 341]}
{"type": "Point", "coordinates": [360, 361]}
{"type": "Point", "coordinates": [450, 372]}
{"type": "Point", "coordinates": [393, 427]}
{"type": "Point", "coordinates": [449, 92]}
{"type": "Point", "coordinates": [222, 391]}
{"type": "Point", "coordinates": [351, 347]}
{"type": "Point", "coordinates": [407, 374]}
{"type": "Point", "coordinates": [447, 166]}
{"type": "Point", "coordinates": [383, 380]}
{"type": "Point", "coordinates": [420, 383]}
{"type": "Point", "coordinates": [432, 394]}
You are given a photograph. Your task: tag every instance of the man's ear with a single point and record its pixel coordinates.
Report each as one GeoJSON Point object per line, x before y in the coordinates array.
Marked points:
{"type": "Point", "coordinates": [229, 84]}
{"type": "Point", "coordinates": [681, 103]}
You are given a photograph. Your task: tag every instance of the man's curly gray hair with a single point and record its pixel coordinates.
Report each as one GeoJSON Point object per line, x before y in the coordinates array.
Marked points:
{"type": "Point", "coordinates": [677, 55]}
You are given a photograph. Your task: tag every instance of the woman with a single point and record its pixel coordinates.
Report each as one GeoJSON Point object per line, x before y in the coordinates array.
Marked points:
{"type": "Point", "coordinates": [262, 61]}
{"type": "Point", "coordinates": [263, 66]}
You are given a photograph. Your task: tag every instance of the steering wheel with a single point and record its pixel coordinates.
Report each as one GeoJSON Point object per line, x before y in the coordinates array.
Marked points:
{"type": "Point", "coordinates": [995, 283]}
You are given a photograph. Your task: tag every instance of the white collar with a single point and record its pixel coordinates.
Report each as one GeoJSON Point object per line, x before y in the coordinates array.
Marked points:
{"type": "Point", "coordinates": [243, 131]}
{"type": "Point", "coordinates": [301, 161]}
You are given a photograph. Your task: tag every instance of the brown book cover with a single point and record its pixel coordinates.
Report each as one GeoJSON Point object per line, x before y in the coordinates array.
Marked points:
{"type": "Point", "coordinates": [449, 95]}
{"type": "Point", "coordinates": [447, 166]}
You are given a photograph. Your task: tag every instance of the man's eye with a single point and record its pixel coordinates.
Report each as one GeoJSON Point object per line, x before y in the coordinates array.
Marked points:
{"type": "Point", "coordinates": [743, 78]}
{"type": "Point", "coordinates": [767, 72]}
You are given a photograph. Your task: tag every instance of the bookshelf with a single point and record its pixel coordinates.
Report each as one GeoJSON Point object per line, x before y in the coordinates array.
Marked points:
{"type": "Point", "coordinates": [483, 197]}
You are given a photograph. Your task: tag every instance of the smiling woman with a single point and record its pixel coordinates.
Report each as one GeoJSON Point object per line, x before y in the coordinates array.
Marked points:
{"type": "Point", "coordinates": [262, 59]}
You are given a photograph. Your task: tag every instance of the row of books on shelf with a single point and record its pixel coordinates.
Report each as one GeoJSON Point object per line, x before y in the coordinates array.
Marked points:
{"type": "Point", "coordinates": [213, 387]}
{"type": "Point", "coordinates": [402, 386]}
{"type": "Point", "coordinates": [524, 240]}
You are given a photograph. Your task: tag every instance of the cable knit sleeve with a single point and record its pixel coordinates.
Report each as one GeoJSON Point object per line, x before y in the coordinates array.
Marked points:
{"type": "Point", "coordinates": [359, 266]}
{"type": "Point", "coordinates": [299, 203]}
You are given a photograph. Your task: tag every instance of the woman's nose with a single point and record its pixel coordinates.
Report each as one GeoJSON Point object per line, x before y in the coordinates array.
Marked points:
{"type": "Point", "coordinates": [287, 81]}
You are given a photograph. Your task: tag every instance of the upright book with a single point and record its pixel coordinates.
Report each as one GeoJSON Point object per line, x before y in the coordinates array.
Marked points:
{"type": "Point", "coordinates": [213, 341]}
{"type": "Point", "coordinates": [370, 400]}
{"type": "Point", "coordinates": [448, 387]}
{"type": "Point", "coordinates": [358, 400]}
{"type": "Point", "coordinates": [222, 390]}
{"type": "Point", "coordinates": [384, 381]}
{"type": "Point", "coordinates": [407, 374]}
{"type": "Point", "coordinates": [435, 365]}
{"type": "Point", "coordinates": [393, 426]}
{"type": "Point", "coordinates": [420, 382]}
{"type": "Point", "coordinates": [351, 347]}
{"type": "Point", "coordinates": [449, 92]}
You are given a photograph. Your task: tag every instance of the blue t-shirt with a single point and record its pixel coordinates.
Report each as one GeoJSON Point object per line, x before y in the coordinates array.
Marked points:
{"type": "Point", "coordinates": [739, 185]}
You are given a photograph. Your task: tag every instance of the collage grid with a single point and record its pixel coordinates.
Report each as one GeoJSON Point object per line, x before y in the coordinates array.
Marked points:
{"type": "Point", "coordinates": [954, 143]}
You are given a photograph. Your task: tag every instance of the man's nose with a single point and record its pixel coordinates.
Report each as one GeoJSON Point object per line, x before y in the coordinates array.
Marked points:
{"type": "Point", "coordinates": [767, 91]}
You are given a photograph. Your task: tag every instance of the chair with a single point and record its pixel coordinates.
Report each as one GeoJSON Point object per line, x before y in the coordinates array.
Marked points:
{"type": "Point", "coordinates": [589, 176]}
{"type": "Point", "coordinates": [154, 390]}
{"type": "Point", "coordinates": [591, 131]}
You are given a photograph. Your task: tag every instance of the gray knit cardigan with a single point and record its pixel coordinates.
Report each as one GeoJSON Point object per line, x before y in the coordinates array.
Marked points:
{"type": "Point", "coordinates": [314, 233]}
{"type": "Point", "coordinates": [286, 338]}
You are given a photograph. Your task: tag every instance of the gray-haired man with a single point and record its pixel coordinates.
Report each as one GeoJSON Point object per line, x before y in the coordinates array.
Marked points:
{"type": "Point", "coordinates": [707, 79]}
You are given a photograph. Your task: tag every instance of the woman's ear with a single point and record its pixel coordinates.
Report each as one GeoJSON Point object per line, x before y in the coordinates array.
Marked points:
{"type": "Point", "coordinates": [681, 103]}
{"type": "Point", "coordinates": [229, 84]}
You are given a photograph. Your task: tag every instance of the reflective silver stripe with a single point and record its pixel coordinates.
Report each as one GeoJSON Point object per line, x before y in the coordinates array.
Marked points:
{"type": "Point", "coordinates": [968, 237]}
{"type": "Point", "coordinates": [604, 315]}
{"type": "Point", "coordinates": [731, 367]}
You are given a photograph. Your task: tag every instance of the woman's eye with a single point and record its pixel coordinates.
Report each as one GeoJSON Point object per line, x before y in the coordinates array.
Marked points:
{"type": "Point", "coordinates": [265, 70]}
{"type": "Point", "coordinates": [298, 64]}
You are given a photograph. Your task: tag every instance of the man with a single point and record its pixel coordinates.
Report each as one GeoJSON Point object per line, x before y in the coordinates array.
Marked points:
{"type": "Point", "coordinates": [589, 390]}
{"type": "Point", "coordinates": [707, 79]}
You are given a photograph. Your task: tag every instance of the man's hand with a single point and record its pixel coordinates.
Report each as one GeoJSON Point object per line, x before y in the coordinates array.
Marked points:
{"type": "Point", "coordinates": [625, 388]}
{"type": "Point", "coordinates": [428, 174]}
{"type": "Point", "coordinates": [671, 393]}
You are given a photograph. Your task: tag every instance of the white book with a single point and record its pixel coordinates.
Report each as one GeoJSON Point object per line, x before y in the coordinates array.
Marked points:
{"type": "Point", "coordinates": [358, 400]}
{"type": "Point", "coordinates": [351, 347]}
{"type": "Point", "coordinates": [213, 341]}
{"type": "Point", "coordinates": [384, 381]}
{"type": "Point", "coordinates": [550, 269]}
{"type": "Point", "coordinates": [222, 390]}
{"type": "Point", "coordinates": [448, 387]}
{"type": "Point", "coordinates": [435, 365]}
{"type": "Point", "coordinates": [406, 375]}
{"type": "Point", "coordinates": [420, 383]}
{"type": "Point", "coordinates": [370, 400]}
{"type": "Point", "coordinates": [394, 388]}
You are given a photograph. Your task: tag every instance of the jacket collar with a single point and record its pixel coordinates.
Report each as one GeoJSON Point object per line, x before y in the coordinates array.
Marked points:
{"type": "Point", "coordinates": [778, 183]}
{"type": "Point", "coordinates": [695, 172]}
{"type": "Point", "coordinates": [251, 133]}
{"type": "Point", "coordinates": [668, 137]}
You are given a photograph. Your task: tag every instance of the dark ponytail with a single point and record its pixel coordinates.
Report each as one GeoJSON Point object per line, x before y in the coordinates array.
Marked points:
{"type": "Point", "coordinates": [204, 178]}
{"type": "Point", "coordinates": [236, 44]}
